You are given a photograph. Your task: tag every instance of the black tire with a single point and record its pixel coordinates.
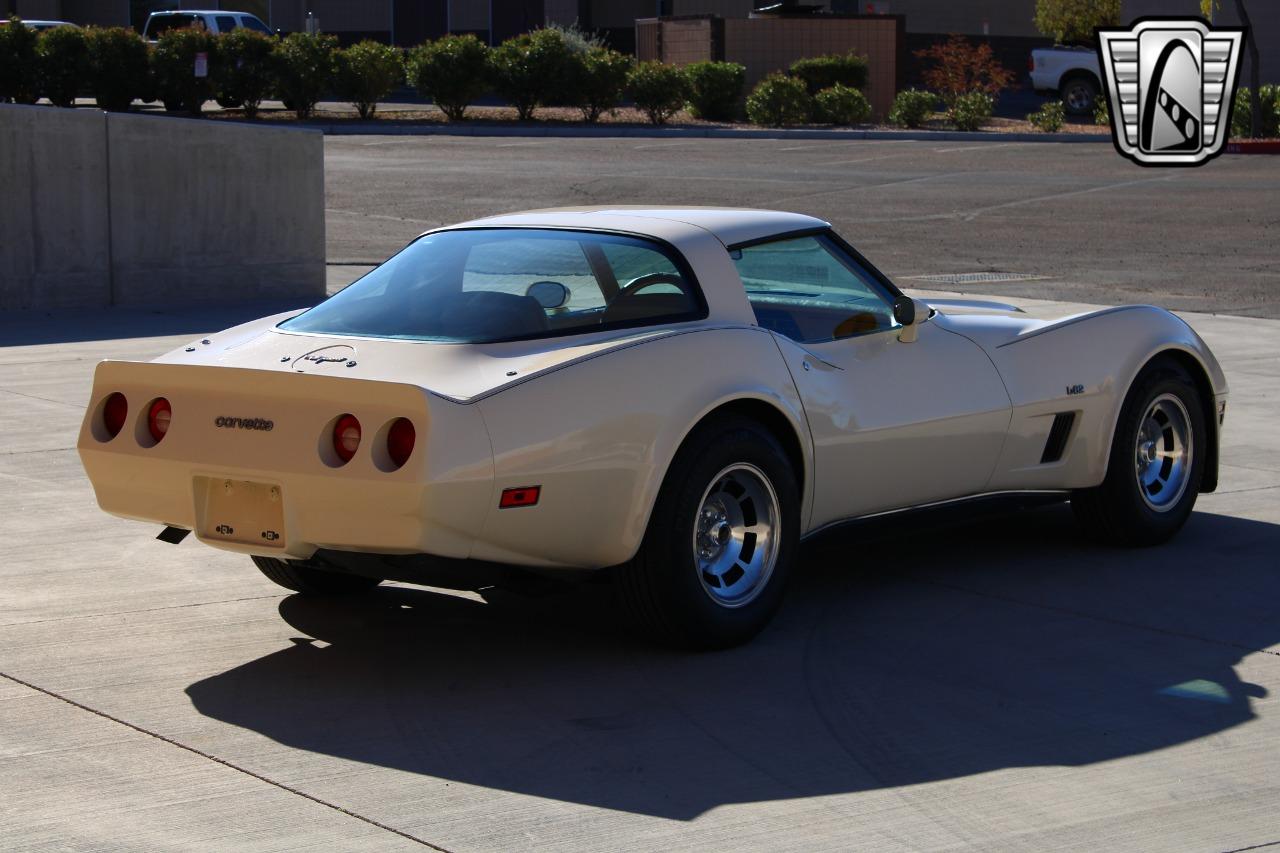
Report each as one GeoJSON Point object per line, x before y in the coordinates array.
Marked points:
{"type": "Point", "coordinates": [173, 105]}
{"type": "Point", "coordinates": [230, 103]}
{"type": "Point", "coordinates": [1116, 511]}
{"type": "Point", "coordinates": [1079, 95]}
{"type": "Point", "coordinates": [663, 588]}
{"type": "Point", "coordinates": [309, 580]}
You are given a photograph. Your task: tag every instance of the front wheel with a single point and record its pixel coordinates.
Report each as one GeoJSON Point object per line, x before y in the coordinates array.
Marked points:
{"type": "Point", "coordinates": [714, 562]}
{"type": "Point", "coordinates": [1156, 462]}
{"type": "Point", "coordinates": [310, 580]}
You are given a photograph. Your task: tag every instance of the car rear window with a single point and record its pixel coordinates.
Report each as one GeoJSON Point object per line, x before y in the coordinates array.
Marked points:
{"type": "Point", "coordinates": [486, 285]}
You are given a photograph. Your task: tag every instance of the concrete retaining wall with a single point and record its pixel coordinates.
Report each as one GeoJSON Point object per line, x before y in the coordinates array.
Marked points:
{"type": "Point", "coordinates": [107, 209]}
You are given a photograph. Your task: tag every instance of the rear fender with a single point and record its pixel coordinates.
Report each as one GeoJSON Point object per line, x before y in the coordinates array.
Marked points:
{"type": "Point", "coordinates": [599, 436]}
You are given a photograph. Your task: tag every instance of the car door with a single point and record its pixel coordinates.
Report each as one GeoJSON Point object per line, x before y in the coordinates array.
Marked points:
{"type": "Point", "coordinates": [893, 424]}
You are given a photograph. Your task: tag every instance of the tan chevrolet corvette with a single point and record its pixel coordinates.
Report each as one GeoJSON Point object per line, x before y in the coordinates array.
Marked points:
{"type": "Point", "coordinates": [677, 396]}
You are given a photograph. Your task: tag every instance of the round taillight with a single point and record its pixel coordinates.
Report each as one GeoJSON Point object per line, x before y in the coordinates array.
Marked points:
{"type": "Point", "coordinates": [400, 440]}
{"type": "Point", "coordinates": [114, 413]}
{"type": "Point", "coordinates": [158, 418]}
{"type": "Point", "coordinates": [346, 437]}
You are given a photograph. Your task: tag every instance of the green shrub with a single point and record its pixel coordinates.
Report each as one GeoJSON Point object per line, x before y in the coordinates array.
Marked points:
{"type": "Point", "coordinates": [1050, 117]}
{"type": "Point", "coordinates": [912, 108]}
{"type": "Point", "coordinates": [659, 90]}
{"type": "Point", "coordinates": [304, 66]}
{"type": "Point", "coordinates": [1101, 110]}
{"type": "Point", "coordinates": [599, 79]}
{"type": "Point", "coordinates": [715, 88]}
{"type": "Point", "coordinates": [779, 100]}
{"type": "Point", "coordinates": [842, 105]}
{"type": "Point", "coordinates": [118, 67]}
{"type": "Point", "coordinates": [366, 73]}
{"type": "Point", "coordinates": [823, 72]}
{"type": "Point", "coordinates": [18, 81]}
{"type": "Point", "coordinates": [532, 70]}
{"type": "Point", "coordinates": [451, 72]}
{"type": "Point", "coordinates": [971, 110]}
{"type": "Point", "coordinates": [62, 64]}
{"type": "Point", "coordinates": [1241, 115]}
{"type": "Point", "coordinates": [246, 73]}
{"type": "Point", "coordinates": [173, 61]}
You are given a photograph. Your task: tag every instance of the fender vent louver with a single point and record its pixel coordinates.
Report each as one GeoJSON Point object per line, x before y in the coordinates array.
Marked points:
{"type": "Point", "coordinates": [1058, 433]}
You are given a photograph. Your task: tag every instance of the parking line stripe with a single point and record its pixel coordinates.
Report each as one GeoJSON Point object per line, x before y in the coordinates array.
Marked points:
{"type": "Point", "coordinates": [215, 759]}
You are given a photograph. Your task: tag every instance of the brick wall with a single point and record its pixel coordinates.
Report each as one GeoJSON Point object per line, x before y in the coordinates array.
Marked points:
{"type": "Point", "coordinates": [764, 45]}
{"type": "Point", "coordinates": [684, 42]}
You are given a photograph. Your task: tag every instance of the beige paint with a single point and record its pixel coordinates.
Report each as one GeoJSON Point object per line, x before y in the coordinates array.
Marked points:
{"type": "Point", "coordinates": [595, 420]}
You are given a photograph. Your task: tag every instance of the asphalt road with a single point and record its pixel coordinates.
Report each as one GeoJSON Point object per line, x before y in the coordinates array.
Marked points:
{"type": "Point", "coordinates": [1096, 227]}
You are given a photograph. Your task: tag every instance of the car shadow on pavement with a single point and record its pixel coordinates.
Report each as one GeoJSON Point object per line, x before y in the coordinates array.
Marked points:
{"type": "Point", "coordinates": [1004, 643]}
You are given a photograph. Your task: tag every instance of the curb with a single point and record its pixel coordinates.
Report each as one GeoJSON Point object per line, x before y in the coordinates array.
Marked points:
{"type": "Point", "coordinates": [1254, 146]}
{"type": "Point", "coordinates": [388, 129]}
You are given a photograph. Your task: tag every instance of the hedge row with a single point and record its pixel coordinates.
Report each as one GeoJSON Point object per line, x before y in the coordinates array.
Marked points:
{"type": "Point", "coordinates": [554, 66]}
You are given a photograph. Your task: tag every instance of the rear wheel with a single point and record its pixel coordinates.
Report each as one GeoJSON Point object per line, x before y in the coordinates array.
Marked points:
{"type": "Point", "coordinates": [1079, 95]}
{"type": "Point", "coordinates": [1156, 462]}
{"type": "Point", "coordinates": [714, 562]}
{"type": "Point", "coordinates": [310, 580]}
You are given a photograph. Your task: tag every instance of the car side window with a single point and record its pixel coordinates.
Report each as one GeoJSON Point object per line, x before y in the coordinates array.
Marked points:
{"type": "Point", "coordinates": [811, 290]}
{"type": "Point", "coordinates": [251, 23]}
{"type": "Point", "coordinates": [226, 23]}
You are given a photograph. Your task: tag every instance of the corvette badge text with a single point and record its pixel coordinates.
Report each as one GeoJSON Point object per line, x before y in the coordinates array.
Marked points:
{"type": "Point", "coordinates": [1170, 87]}
{"type": "Point", "coordinates": [244, 423]}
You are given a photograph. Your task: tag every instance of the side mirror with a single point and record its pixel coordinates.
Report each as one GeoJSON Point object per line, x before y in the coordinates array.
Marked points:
{"type": "Point", "coordinates": [909, 313]}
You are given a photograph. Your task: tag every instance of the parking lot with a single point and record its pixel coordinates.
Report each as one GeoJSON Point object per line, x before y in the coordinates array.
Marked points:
{"type": "Point", "coordinates": [1099, 228]}
{"type": "Point", "coordinates": [994, 684]}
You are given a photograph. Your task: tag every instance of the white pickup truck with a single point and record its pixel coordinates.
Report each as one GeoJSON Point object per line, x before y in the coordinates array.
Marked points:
{"type": "Point", "coordinates": [1071, 73]}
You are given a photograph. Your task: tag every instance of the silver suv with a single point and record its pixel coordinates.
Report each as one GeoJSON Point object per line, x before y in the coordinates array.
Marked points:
{"type": "Point", "coordinates": [217, 21]}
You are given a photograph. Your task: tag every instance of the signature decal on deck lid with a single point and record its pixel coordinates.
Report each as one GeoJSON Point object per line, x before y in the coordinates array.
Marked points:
{"type": "Point", "coordinates": [337, 354]}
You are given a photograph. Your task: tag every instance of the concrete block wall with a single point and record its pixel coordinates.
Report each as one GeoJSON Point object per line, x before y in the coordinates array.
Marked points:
{"type": "Point", "coordinates": [765, 45]}
{"type": "Point", "coordinates": [54, 232]}
{"type": "Point", "coordinates": [109, 209]}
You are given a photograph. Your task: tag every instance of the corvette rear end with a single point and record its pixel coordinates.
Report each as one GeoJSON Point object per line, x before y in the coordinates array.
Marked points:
{"type": "Point", "coordinates": [282, 463]}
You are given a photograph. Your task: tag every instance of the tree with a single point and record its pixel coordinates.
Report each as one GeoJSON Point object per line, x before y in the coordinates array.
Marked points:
{"type": "Point", "coordinates": [960, 67]}
{"type": "Point", "coordinates": [1073, 21]}
{"type": "Point", "coordinates": [1255, 89]}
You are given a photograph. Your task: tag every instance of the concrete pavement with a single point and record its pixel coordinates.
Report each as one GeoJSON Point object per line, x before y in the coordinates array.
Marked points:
{"type": "Point", "coordinates": [998, 685]}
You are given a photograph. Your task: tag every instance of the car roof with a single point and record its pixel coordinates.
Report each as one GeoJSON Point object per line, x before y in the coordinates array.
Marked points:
{"type": "Point", "coordinates": [730, 225]}
{"type": "Point", "coordinates": [200, 12]}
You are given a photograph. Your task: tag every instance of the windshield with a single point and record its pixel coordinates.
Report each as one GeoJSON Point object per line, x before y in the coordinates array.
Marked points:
{"type": "Point", "coordinates": [501, 284]}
